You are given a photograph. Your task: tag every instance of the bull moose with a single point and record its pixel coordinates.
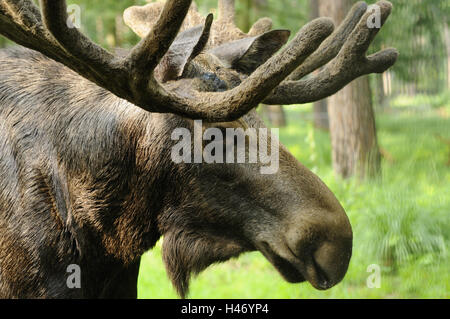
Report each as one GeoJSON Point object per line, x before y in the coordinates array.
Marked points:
{"type": "Point", "coordinates": [86, 176]}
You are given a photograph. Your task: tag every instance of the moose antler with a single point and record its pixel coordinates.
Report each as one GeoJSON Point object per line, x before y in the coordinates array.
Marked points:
{"type": "Point", "coordinates": [333, 44]}
{"type": "Point", "coordinates": [350, 44]}
{"type": "Point", "coordinates": [141, 20]}
{"type": "Point", "coordinates": [132, 77]}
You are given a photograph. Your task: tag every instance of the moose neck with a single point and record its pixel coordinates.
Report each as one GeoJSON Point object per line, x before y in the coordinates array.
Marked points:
{"type": "Point", "coordinates": [105, 162]}
{"type": "Point", "coordinates": [125, 182]}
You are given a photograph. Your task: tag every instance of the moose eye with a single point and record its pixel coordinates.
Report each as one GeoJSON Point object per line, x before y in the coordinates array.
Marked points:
{"type": "Point", "coordinates": [214, 81]}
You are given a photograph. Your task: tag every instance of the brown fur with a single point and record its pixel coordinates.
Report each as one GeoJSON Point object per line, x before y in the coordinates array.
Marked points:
{"type": "Point", "coordinates": [85, 148]}
{"type": "Point", "coordinates": [87, 179]}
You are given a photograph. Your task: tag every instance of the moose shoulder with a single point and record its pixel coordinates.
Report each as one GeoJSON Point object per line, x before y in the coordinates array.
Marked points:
{"type": "Point", "coordinates": [87, 177]}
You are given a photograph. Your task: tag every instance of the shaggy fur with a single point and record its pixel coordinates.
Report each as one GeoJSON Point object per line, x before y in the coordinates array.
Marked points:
{"type": "Point", "coordinates": [87, 179]}
{"type": "Point", "coordinates": [86, 175]}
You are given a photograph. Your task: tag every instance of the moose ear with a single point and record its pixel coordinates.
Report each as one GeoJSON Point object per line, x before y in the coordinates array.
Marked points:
{"type": "Point", "coordinates": [185, 48]}
{"type": "Point", "coordinates": [246, 55]}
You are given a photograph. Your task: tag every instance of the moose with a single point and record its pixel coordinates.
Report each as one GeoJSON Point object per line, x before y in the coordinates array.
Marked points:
{"type": "Point", "coordinates": [86, 176]}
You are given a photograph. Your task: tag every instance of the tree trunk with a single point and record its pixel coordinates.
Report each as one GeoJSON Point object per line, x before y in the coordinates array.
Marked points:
{"type": "Point", "coordinates": [447, 45]}
{"type": "Point", "coordinates": [352, 122]}
{"type": "Point", "coordinates": [275, 115]}
{"type": "Point", "coordinates": [320, 108]}
{"type": "Point", "coordinates": [353, 132]}
{"type": "Point", "coordinates": [381, 97]}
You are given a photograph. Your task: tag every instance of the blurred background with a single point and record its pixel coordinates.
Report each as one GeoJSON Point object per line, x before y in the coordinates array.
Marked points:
{"type": "Point", "coordinates": [382, 145]}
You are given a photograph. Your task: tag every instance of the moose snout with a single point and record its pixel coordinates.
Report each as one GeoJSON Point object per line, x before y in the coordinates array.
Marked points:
{"type": "Point", "coordinates": [328, 264]}
{"type": "Point", "coordinates": [322, 249]}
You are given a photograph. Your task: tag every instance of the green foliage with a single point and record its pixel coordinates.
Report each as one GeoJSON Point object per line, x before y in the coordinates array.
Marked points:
{"type": "Point", "coordinates": [248, 11]}
{"type": "Point", "coordinates": [102, 22]}
{"type": "Point", "coordinates": [402, 230]}
{"type": "Point", "coordinates": [422, 101]}
{"type": "Point", "coordinates": [416, 29]}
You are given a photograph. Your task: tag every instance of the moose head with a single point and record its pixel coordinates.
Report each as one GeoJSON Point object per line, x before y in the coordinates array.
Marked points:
{"type": "Point", "coordinates": [188, 67]}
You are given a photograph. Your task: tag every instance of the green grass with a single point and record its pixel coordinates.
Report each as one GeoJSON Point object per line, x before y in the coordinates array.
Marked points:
{"type": "Point", "coordinates": [422, 101]}
{"type": "Point", "coordinates": [400, 221]}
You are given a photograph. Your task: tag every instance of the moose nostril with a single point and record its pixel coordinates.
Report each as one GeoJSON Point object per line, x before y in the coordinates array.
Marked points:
{"type": "Point", "coordinates": [323, 280]}
{"type": "Point", "coordinates": [331, 261]}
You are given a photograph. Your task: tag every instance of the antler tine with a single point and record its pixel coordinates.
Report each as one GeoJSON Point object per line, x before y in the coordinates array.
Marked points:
{"type": "Point", "coordinates": [21, 22]}
{"type": "Point", "coordinates": [332, 45]}
{"type": "Point", "coordinates": [350, 63]}
{"type": "Point", "coordinates": [145, 56]}
{"type": "Point", "coordinates": [261, 26]}
{"type": "Point", "coordinates": [54, 15]}
{"type": "Point", "coordinates": [227, 10]}
{"type": "Point", "coordinates": [149, 52]}
{"type": "Point", "coordinates": [203, 41]}
{"type": "Point", "coordinates": [27, 12]}
{"type": "Point", "coordinates": [133, 75]}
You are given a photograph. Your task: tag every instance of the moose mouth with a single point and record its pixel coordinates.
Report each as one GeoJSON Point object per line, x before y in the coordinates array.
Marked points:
{"type": "Point", "coordinates": [294, 270]}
